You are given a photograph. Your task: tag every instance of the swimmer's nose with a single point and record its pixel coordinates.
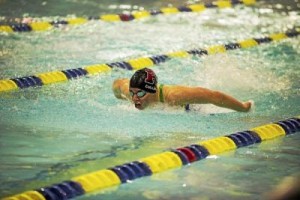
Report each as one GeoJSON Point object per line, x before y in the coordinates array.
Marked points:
{"type": "Point", "coordinates": [135, 96]}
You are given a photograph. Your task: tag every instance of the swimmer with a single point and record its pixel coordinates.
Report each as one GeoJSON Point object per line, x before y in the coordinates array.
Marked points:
{"type": "Point", "coordinates": [143, 90]}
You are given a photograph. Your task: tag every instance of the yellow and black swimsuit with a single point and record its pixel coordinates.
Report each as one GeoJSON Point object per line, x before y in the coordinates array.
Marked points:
{"type": "Point", "coordinates": [161, 94]}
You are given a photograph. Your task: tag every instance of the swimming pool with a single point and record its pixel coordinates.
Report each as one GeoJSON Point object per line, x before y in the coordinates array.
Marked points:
{"type": "Point", "coordinates": [55, 132]}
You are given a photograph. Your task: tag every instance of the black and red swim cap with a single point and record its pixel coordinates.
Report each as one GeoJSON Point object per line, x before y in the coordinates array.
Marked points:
{"type": "Point", "coordinates": [144, 79]}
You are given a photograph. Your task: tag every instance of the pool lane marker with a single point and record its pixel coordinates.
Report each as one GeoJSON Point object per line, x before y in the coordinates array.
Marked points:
{"type": "Point", "coordinates": [157, 163]}
{"type": "Point", "coordinates": [134, 64]}
{"type": "Point", "coordinates": [43, 26]}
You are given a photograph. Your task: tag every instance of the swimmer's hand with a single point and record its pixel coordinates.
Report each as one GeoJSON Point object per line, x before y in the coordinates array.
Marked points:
{"type": "Point", "coordinates": [247, 106]}
{"type": "Point", "coordinates": [120, 88]}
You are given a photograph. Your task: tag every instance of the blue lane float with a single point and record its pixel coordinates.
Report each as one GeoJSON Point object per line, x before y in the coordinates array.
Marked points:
{"type": "Point", "coordinates": [157, 163]}
{"type": "Point", "coordinates": [135, 15]}
{"type": "Point", "coordinates": [135, 64]}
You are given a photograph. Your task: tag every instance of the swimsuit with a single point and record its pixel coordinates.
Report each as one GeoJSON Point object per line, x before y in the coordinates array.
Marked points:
{"type": "Point", "coordinates": [161, 95]}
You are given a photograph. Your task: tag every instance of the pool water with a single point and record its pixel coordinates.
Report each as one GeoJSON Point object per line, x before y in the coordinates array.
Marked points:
{"type": "Point", "coordinates": [55, 132]}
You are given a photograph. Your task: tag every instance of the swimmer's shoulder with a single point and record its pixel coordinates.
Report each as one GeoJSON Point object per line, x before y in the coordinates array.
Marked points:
{"type": "Point", "coordinates": [168, 92]}
{"type": "Point", "coordinates": [166, 87]}
{"type": "Point", "coordinates": [124, 80]}
{"type": "Point", "coordinates": [173, 89]}
{"type": "Point", "coordinates": [120, 81]}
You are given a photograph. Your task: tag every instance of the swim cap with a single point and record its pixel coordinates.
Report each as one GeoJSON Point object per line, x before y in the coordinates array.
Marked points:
{"type": "Point", "coordinates": [144, 79]}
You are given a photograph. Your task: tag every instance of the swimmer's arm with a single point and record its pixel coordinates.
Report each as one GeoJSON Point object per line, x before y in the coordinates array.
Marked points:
{"type": "Point", "coordinates": [121, 88]}
{"type": "Point", "coordinates": [181, 95]}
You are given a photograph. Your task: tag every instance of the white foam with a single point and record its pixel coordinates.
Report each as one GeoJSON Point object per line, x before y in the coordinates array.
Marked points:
{"type": "Point", "coordinates": [227, 72]}
{"type": "Point", "coordinates": [209, 109]}
{"type": "Point", "coordinates": [212, 157]}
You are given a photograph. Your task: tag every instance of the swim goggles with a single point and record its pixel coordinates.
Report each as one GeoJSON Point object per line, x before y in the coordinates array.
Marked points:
{"type": "Point", "coordinates": [139, 93]}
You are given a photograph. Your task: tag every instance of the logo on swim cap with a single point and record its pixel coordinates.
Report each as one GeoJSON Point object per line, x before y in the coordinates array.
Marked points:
{"type": "Point", "coordinates": [150, 78]}
{"type": "Point", "coordinates": [144, 79]}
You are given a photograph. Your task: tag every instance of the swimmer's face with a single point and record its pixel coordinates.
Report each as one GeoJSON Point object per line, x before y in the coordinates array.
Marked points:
{"type": "Point", "coordinates": [139, 97]}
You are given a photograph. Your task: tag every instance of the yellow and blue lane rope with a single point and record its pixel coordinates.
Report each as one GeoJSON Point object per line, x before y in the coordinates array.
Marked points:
{"type": "Point", "coordinates": [135, 64]}
{"type": "Point", "coordinates": [43, 26]}
{"type": "Point", "coordinates": [157, 163]}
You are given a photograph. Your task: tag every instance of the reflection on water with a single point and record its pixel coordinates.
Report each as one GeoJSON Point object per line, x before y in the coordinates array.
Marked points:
{"type": "Point", "coordinates": [15, 11]}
